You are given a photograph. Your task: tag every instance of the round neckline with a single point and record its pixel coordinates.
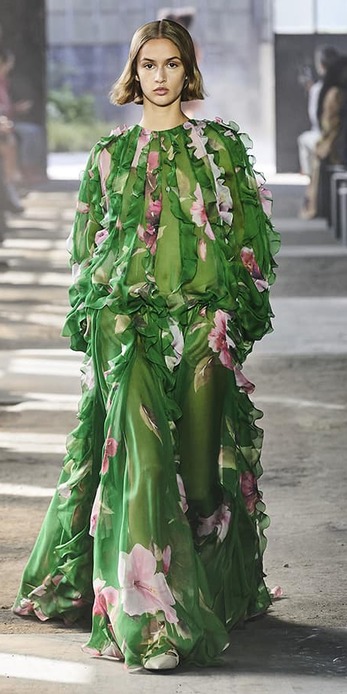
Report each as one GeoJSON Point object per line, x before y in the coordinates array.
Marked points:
{"type": "Point", "coordinates": [164, 130]}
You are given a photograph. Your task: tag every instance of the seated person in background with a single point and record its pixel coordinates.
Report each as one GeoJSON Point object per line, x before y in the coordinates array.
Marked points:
{"type": "Point", "coordinates": [29, 136]}
{"type": "Point", "coordinates": [324, 58]}
{"type": "Point", "coordinates": [8, 141]}
{"type": "Point", "coordinates": [331, 148]}
{"type": "Point", "coordinates": [9, 199]}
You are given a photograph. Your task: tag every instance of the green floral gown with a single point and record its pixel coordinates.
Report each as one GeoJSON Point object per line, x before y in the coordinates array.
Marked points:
{"type": "Point", "coordinates": [157, 524]}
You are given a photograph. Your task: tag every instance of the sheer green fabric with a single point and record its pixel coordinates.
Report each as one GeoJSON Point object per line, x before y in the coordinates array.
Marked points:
{"type": "Point", "coordinates": [157, 525]}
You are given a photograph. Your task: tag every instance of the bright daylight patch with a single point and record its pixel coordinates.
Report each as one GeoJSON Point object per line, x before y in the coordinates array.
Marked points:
{"type": "Point", "coordinates": [45, 669]}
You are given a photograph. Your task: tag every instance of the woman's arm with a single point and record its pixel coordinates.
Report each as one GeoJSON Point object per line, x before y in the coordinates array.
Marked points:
{"type": "Point", "coordinates": [81, 244]}
{"type": "Point", "coordinates": [253, 241]}
{"type": "Point", "coordinates": [330, 122]}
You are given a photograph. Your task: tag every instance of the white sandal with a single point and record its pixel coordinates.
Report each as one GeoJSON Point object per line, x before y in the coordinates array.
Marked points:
{"type": "Point", "coordinates": [163, 661]}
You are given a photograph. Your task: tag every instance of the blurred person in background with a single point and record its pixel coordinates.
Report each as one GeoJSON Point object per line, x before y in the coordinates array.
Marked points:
{"type": "Point", "coordinates": [324, 57]}
{"type": "Point", "coordinates": [26, 145]}
{"type": "Point", "coordinates": [8, 142]}
{"type": "Point", "coordinates": [172, 255]}
{"type": "Point", "coordinates": [331, 147]}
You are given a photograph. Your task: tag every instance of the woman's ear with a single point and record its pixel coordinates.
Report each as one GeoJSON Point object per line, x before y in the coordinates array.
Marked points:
{"type": "Point", "coordinates": [137, 78]}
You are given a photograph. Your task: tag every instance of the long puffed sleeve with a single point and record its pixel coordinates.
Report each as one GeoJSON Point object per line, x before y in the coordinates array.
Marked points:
{"type": "Point", "coordinates": [252, 241]}
{"type": "Point", "coordinates": [90, 219]}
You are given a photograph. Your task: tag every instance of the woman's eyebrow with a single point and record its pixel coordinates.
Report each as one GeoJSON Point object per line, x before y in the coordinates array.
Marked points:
{"type": "Point", "coordinates": [151, 60]}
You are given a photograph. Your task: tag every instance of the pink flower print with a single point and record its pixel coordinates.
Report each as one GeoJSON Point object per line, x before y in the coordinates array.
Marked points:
{"type": "Point", "coordinates": [219, 521]}
{"type": "Point", "coordinates": [197, 209]}
{"type": "Point", "coordinates": [148, 236]}
{"type": "Point", "coordinates": [261, 285]}
{"type": "Point", "coordinates": [104, 597]}
{"type": "Point", "coordinates": [94, 516]}
{"type": "Point", "coordinates": [250, 263]}
{"type": "Point", "coordinates": [225, 203]}
{"type": "Point", "coordinates": [266, 200]}
{"type": "Point", "coordinates": [82, 207]}
{"type": "Point", "coordinates": [230, 133]}
{"type": "Point", "coordinates": [198, 142]}
{"type": "Point", "coordinates": [47, 582]}
{"type": "Point", "coordinates": [163, 556]}
{"type": "Point", "coordinates": [166, 559]}
{"type": "Point", "coordinates": [100, 236]}
{"type": "Point", "coordinates": [110, 449]}
{"type": "Point", "coordinates": [119, 130]}
{"type": "Point", "coordinates": [142, 589]}
{"type": "Point", "coordinates": [242, 382]}
{"type": "Point", "coordinates": [199, 214]}
{"type": "Point", "coordinates": [182, 492]}
{"type": "Point", "coordinates": [202, 249]}
{"type": "Point", "coordinates": [42, 589]}
{"type": "Point", "coordinates": [24, 608]}
{"type": "Point", "coordinates": [248, 260]}
{"type": "Point", "coordinates": [153, 212]}
{"type": "Point", "coordinates": [40, 614]}
{"type": "Point", "coordinates": [249, 489]}
{"type": "Point", "coordinates": [219, 340]}
{"type": "Point", "coordinates": [57, 579]}
{"type": "Point", "coordinates": [142, 141]}
{"type": "Point", "coordinates": [104, 166]}
{"type": "Point", "coordinates": [152, 161]}
{"type": "Point", "coordinates": [276, 592]}
{"type": "Point", "coordinates": [27, 607]}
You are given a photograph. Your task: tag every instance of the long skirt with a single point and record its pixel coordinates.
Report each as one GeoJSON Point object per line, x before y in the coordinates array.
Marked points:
{"type": "Point", "coordinates": [157, 525]}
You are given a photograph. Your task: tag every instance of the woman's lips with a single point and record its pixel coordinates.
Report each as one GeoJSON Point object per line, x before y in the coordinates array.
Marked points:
{"type": "Point", "coordinates": [161, 90]}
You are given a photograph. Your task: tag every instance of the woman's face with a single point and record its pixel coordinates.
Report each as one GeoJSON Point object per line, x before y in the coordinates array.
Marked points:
{"type": "Point", "coordinates": [160, 72]}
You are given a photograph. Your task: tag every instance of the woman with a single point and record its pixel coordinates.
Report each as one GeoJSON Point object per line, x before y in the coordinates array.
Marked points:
{"type": "Point", "coordinates": [171, 254]}
{"type": "Point", "coordinates": [323, 58]}
{"type": "Point", "coordinates": [331, 148]}
{"type": "Point", "coordinates": [8, 142]}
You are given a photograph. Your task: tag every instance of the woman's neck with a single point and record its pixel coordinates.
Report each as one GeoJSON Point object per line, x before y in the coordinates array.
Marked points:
{"type": "Point", "coordinates": [154, 118]}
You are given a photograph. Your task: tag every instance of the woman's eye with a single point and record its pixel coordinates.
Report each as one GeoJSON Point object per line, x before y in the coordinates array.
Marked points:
{"type": "Point", "coordinates": [148, 65]}
{"type": "Point", "coordinates": [172, 64]}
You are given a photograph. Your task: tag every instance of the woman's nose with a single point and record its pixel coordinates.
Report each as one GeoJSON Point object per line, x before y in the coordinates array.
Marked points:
{"type": "Point", "coordinates": [160, 76]}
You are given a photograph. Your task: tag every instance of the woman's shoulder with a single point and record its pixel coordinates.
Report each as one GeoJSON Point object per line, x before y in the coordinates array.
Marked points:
{"type": "Point", "coordinates": [226, 133]}
{"type": "Point", "coordinates": [106, 141]}
{"type": "Point", "coordinates": [218, 123]}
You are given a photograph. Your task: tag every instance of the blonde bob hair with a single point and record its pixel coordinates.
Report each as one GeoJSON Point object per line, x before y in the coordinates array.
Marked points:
{"type": "Point", "coordinates": [128, 89]}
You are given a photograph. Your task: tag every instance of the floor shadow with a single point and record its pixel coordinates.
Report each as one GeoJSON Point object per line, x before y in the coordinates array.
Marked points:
{"type": "Point", "coordinates": [272, 646]}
